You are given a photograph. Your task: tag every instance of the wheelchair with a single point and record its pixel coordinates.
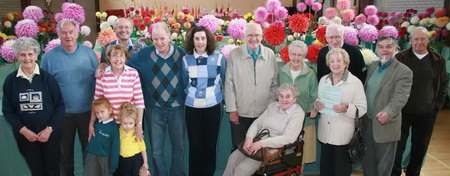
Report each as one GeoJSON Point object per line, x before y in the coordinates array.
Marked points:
{"type": "Point", "coordinates": [288, 163]}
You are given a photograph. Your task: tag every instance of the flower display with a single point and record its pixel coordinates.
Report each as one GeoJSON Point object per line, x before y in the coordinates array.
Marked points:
{"type": "Point", "coordinates": [415, 20]}
{"type": "Point", "coordinates": [274, 35]}
{"type": "Point", "coordinates": [26, 28]}
{"type": "Point", "coordinates": [236, 28]}
{"type": "Point", "coordinates": [313, 52]}
{"type": "Point", "coordinates": [321, 34]}
{"type": "Point", "coordinates": [389, 30]}
{"type": "Point", "coordinates": [112, 20]}
{"type": "Point", "coordinates": [106, 36]}
{"type": "Point", "coordinates": [59, 17]}
{"type": "Point", "coordinates": [271, 5]}
{"type": "Point", "coordinates": [351, 35]}
{"type": "Point", "coordinates": [368, 33]}
{"type": "Point", "coordinates": [343, 4]}
{"type": "Point", "coordinates": [348, 15]}
{"type": "Point", "coordinates": [317, 6]}
{"type": "Point", "coordinates": [210, 22]}
{"type": "Point", "coordinates": [309, 2]}
{"type": "Point", "coordinates": [85, 30]}
{"type": "Point", "coordinates": [279, 23]}
{"type": "Point", "coordinates": [373, 20]}
{"type": "Point", "coordinates": [260, 14]}
{"type": "Point", "coordinates": [105, 26]}
{"type": "Point", "coordinates": [33, 13]}
{"type": "Point", "coordinates": [284, 54]}
{"type": "Point", "coordinates": [281, 13]}
{"type": "Point", "coordinates": [301, 7]}
{"type": "Point", "coordinates": [331, 12]}
{"type": "Point", "coordinates": [370, 10]}
{"type": "Point", "coordinates": [6, 51]}
{"type": "Point", "coordinates": [369, 56]}
{"type": "Point", "coordinates": [441, 22]}
{"type": "Point", "coordinates": [411, 28]}
{"type": "Point", "coordinates": [323, 21]}
{"type": "Point", "coordinates": [226, 50]}
{"type": "Point", "coordinates": [52, 44]}
{"type": "Point", "coordinates": [298, 23]}
{"type": "Point", "coordinates": [360, 19]}
{"type": "Point", "coordinates": [73, 11]}
{"type": "Point", "coordinates": [440, 12]}
{"type": "Point", "coordinates": [448, 26]}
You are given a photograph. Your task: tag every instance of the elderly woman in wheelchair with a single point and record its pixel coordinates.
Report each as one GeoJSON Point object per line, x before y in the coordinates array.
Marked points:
{"type": "Point", "coordinates": [279, 125]}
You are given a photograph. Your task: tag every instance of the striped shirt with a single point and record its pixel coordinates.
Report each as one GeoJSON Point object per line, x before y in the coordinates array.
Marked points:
{"type": "Point", "coordinates": [202, 75]}
{"type": "Point", "coordinates": [119, 90]}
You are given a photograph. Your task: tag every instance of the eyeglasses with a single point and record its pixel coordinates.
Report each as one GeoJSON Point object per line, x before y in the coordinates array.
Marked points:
{"type": "Point", "coordinates": [117, 56]}
{"type": "Point", "coordinates": [336, 37]}
{"type": "Point", "coordinates": [253, 35]}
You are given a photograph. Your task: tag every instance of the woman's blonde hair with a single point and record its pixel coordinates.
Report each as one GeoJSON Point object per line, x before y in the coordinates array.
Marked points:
{"type": "Point", "coordinates": [127, 110]}
{"type": "Point", "coordinates": [340, 51]}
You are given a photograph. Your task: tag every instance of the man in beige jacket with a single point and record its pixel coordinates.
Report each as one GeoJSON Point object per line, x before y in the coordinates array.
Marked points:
{"type": "Point", "coordinates": [251, 79]}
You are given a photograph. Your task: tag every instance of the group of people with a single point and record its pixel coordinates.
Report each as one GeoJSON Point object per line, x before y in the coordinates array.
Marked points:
{"type": "Point", "coordinates": [177, 90]}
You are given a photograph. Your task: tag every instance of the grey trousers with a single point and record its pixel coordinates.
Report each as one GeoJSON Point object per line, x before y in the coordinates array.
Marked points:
{"type": "Point", "coordinates": [97, 165]}
{"type": "Point", "coordinates": [379, 157]}
{"type": "Point", "coordinates": [240, 165]}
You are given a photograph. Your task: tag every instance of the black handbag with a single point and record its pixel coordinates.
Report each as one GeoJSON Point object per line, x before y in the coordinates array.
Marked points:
{"type": "Point", "coordinates": [356, 147]}
{"type": "Point", "coordinates": [258, 156]}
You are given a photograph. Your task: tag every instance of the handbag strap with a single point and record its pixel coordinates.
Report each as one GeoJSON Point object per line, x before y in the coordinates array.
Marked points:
{"type": "Point", "coordinates": [357, 127]}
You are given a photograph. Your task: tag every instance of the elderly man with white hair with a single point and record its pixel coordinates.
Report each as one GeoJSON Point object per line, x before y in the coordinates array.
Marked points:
{"type": "Point", "coordinates": [335, 38]}
{"type": "Point", "coordinates": [428, 92]}
{"type": "Point", "coordinates": [251, 79]}
{"type": "Point", "coordinates": [65, 62]}
{"type": "Point", "coordinates": [159, 67]}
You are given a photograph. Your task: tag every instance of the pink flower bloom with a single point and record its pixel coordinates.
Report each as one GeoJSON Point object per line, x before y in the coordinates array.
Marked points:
{"type": "Point", "coordinates": [370, 10]}
{"type": "Point", "coordinates": [351, 35]}
{"type": "Point", "coordinates": [65, 5]}
{"type": "Point", "coordinates": [391, 19]}
{"type": "Point", "coordinates": [87, 43]}
{"type": "Point", "coordinates": [368, 33]}
{"type": "Point", "coordinates": [348, 15]}
{"type": "Point", "coordinates": [59, 17]}
{"type": "Point", "coordinates": [106, 36]}
{"type": "Point", "coordinates": [383, 14]}
{"type": "Point", "coordinates": [398, 15]}
{"type": "Point", "coordinates": [392, 13]}
{"type": "Point", "coordinates": [429, 10]}
{"type": "Point", "coordinates": [373, 20]}
{"type": "Point", "coordinates": [279, 23]}
{"type": "Point", "coordinates": [343, 4]}
{"type": "Point", "coordinates": [75, 12]}
{"type": "Point", "coordinates": [6, 51]}
{"type": "Point", "coordinates": [226, 50]}
{"type": "Point", "coordinates": [185, 10]}
{"type": "Point", "coordinates": [260, 14]}
{"type": "Point", "coordinates": [309, 2]}
{"type": "Point", "coordinates": [331, 12]}
{"type": "Point", "coordinates": [301, 7]}
{"type": "Point", "coordinates": [271, 5]}
{"type": "Point", "coordinates": [389, 30]}
{"type": "Point", "coordinates": [34, 13]}
{"type": "Point", "coordinates": [360, 19]}
{"type": "Point", "coordinates": [26, 28]}
{"type": "Point", "coordinates": [281, 13]}
{"type": "Point", "coordinates": [52, 44]}
{"type": "Point", "coordinates": [236, 28]}
{"type": "Point", "coordinates": [317, 6]}
{"type": "Point", "coordinates": [210, 22]}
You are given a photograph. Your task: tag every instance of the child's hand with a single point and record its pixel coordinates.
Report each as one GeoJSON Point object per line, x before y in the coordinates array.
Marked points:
{"type": "Point", "coordinates": [91, 131]}
{"type": "Point", "coordinates": [145, 165]}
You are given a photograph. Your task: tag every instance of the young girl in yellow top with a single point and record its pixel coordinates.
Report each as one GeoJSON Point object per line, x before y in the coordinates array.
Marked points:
{"type": "Point", "coordinates": [132, 152]}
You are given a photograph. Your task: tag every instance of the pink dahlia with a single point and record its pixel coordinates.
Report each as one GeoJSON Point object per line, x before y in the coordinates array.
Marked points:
{"type": "Point", "coordinates": [34, 13]}
{"type": "Point", "coordinates": [236, 28]}
{"type": "Point", "coordinates": [343, 4]}
{"type": "Point", "coordinates": [6, 51]}
{"type": "Point", "coordinates": [185, 10]}
{"type": "Point", "coordinates": [281, 13]}
{"type": "Point", "coordinates": [398, 15]}
{"type": "Point", "coordinates": [52, 44]}
{"type": "Point", "coordinates": [75, 12]}
{"type": "Point", "coordinates": [348, 15]}
{"type": "Point", "coordinates": [309, 2]}
{"type": "Point", "coordinates": [26, 28]}
{"type": "Point", "coordinates": [274, 35]}
{"type": "Point", "coordinates": [260, 14]}
{"type": "Point", "coordinates": [317, 6]}
{"type": "Point", "coordinates": [360, 19]}
{"type": "Point", "coordinates": [59, 17]}
{"type": "Point", "coordinates": [271, 5]}
{"type": "Point", "coordinates": [226, 50]}
{"type": "Point", "coordinates": [279, 23]}
{"type": "Point", "coordinates": [392, 13]}
{"type": "Point", "coordinates": [391, 19]}
{"type": "Point", "coordinates": [106, 36]}
{"type": "Point", "coordinates": [301, 7]}
{"type": "Point", "coordinates": [351, 35]}
{"type": "Point", "coordinates": [331, 12]}
{"type": "Point", "coordinates": [430, 10]}
{"type": "Point", "coordinates": [373, 20]}
{"type": "Point", "coordinates": [388, 30]}
{"type": "Point", "coordinates": [210, 22]}
{"type": "Point", "coordinates": [370, 10]}
{"type": "Point", "coordinates": [368, 33]}
{"type": "Point", "coordinates": [87, 43]}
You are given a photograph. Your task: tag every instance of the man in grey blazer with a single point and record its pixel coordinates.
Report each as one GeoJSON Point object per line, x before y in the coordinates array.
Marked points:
{"type": "Point", "coordinates": [387, 86]}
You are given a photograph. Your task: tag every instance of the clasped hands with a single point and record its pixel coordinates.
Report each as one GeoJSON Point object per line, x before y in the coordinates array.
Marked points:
{"type": "Point", "coordinates": [251, 147]}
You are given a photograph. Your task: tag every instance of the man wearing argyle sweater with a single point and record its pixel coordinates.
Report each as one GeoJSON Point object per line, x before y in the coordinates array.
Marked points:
{"type": "Point", "coordinates": [159, 67]}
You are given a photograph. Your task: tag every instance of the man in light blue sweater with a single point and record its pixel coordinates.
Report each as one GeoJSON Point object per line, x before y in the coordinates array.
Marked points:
{"type": "Point", "coordinates": [73, 65]}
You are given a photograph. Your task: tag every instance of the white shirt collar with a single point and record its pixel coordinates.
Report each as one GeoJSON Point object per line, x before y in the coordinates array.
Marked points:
{"type": "Point", "coordinates": [289, 110]}
{"type": "Point", "coordinates": [130, 44]}
{"type": "Point", "coordinates": [172, 49]}
{"type": "Point", "coordinates": [106, 121]}
{"type": "Point", "coordinates": [196, 55]}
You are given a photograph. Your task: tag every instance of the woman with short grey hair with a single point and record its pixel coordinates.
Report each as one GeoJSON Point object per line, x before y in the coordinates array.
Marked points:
{"type": "Point", "coordinates": [298, 73]}
{"type": "Point", "coordinates": [33, 105]}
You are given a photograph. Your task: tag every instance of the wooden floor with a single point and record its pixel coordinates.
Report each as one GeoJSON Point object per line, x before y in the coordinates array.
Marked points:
{"type": "Point", "coordinates": [437, 161]}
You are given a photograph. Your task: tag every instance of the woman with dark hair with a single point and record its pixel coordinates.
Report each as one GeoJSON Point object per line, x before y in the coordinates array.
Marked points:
{"type": "Point", "coordinates": [203, 73]}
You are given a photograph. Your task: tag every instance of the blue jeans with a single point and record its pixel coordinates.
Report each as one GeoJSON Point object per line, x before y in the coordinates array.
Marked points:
{"type": "Point", "coordinates": [158, 120]}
